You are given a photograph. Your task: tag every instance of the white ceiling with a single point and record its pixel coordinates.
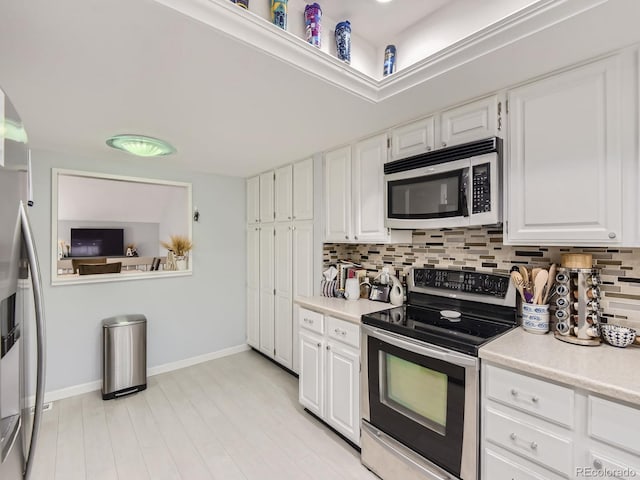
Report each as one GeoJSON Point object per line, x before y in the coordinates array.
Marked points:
{"type": "Point", "coordinates": [79, 71]}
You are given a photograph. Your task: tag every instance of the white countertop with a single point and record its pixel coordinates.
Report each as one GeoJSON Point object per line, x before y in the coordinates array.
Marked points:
{"type": "Point", "coordinates": [341, 308]}
{"type": "Point", "coordinates": [604, 369]}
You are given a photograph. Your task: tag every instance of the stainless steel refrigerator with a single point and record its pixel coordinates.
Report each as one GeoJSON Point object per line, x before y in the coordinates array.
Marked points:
{"type": "Point", "coordinates": [21, 306]}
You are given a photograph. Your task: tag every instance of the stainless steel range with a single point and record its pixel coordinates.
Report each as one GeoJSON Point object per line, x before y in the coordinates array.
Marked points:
{"type": "Point", "coordinates": [420, 374]}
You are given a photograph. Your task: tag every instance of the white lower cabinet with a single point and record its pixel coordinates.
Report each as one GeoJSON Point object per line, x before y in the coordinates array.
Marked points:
{"type": "Point", "coordinates": [311, 380]}
{"type": "Point", "coordinates": [330, 371]}
{"type": "Point", "coordinates": [533, 429]}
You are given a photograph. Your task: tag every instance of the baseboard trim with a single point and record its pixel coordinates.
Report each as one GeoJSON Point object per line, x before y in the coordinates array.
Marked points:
{"type": "Point", "coordinates": [74, 390]}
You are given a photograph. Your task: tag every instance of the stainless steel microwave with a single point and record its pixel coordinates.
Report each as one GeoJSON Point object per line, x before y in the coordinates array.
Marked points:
{"type": "Point", "coordinates": [451, 187]}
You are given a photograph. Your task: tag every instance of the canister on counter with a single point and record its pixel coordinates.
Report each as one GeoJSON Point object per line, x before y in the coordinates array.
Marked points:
{"type": "Point", "coordinates": [389, 60]}
{"type": "Point", "coordinates": [313, 24]}
{"type": "Point", "coordinates": [343, 41]}
{"type": "Point", "coordinates": [279, 13]}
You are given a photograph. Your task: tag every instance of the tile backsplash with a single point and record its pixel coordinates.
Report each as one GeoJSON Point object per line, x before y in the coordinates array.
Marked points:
{"type": "Point", "coordinates": [482, 249]}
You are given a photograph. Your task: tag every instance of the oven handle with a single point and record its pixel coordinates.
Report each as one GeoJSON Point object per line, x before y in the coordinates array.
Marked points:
{"type": "Point", "coordinates": [431, 351]}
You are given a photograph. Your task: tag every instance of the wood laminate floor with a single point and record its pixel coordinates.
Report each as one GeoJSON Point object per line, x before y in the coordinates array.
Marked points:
{"type": "Point", "coordinates": [234, 418]}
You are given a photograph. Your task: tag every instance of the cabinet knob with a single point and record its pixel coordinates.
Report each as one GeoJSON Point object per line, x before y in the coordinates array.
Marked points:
{"type": "Point", "coordinates": [346, 237]}
{"type": "Point", "coordinates": [534, 446]}
{"type": "Point", "coordinates": [294, 217]}
{"type": "Point", "coordinates": [356, 237]}
{"type": "Point", "coordinates": [513, 436]}
{"type": "Point", "coordinates": [289, 218]}
{"type": "Point", "coordinates": [597, 464]}
{"type": "Point", "coordinates": [612, 235]}
{"type": "Point", "coordinates": [535, 399]}
{"type": "Point", "coordinates": [328, 348]}
{"type": "Point", "coordinates": [319, 345]}
{"type": "Point", "coordinates": [514, 392]}
{"type": "Point", "coordinates": [444, 144]}
{"type": "Point", "coordinates": [428, 148]}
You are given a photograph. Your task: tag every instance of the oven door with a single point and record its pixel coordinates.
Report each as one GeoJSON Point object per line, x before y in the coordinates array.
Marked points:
{"type": "Point", "coordinates": [425, 397]}
{"type": "Point", "coordinates": [433, 196]}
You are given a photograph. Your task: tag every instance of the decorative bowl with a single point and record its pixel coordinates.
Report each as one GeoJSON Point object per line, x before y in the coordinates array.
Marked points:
{"type": "Point", "coordinates": [617, 335]}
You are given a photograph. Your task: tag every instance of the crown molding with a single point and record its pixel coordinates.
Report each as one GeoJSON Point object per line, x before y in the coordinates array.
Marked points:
{"type": "Point", "coordinates": [254, 31]}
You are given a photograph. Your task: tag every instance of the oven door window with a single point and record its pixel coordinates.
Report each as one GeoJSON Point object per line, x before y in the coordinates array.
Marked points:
{"type": "Point", "coordinates": [417, 392]}
{"type": "Point", "coordinates": [430, 196]}
{"type": "Point", "coordinates": [419, 401]}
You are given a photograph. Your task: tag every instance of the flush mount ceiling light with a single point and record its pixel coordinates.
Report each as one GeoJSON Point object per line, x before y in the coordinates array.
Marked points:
{"type": "Point", "coordinates": [141, 145]}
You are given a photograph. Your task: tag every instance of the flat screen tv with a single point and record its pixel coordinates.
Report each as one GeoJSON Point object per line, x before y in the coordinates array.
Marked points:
{"type": "Point", "coordinates": [97, 242]}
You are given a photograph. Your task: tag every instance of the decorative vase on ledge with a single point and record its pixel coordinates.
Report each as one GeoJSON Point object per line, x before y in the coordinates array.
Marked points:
{"type": "Point", "coordinates": [182, 262]}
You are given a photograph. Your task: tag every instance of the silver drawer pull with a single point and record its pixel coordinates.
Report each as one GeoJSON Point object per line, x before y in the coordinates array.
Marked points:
{"type": "Point", "coordinates": [532, 445]}
{"type": "Point", "coordinates": [340, 332]}
{"type": "Point", "coordinates": [515, 394]}
{"type": "Point", "coordinates": [308, 320]}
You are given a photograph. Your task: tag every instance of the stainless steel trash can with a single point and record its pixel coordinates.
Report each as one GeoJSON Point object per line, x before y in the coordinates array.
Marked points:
{"type": "Point", "coordinates": [124, 355]}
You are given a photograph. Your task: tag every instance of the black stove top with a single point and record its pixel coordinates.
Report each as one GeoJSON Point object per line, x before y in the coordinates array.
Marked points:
{"type": "Point", "coordinates": [459, 321]}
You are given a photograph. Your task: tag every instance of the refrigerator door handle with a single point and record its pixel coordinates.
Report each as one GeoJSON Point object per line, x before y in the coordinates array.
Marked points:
{"type": "Point", "coordinates": [40, 332]}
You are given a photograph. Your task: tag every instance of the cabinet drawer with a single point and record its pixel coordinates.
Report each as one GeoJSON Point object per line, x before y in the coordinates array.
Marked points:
{"type": "Point", "coordinates": [530, 441]}
{"type": "Point", "coordinates": [614, 423]}
{"type": "Point", "coordinates": [497, 467]}
{"type": "Point", "coordinates": [311, 320]}
{"type": "Point", "coordinates": [601, 466]}
{"type": "Point", "coordinates": [346, 332]}
{"type": "Point", "coordinates": [538, 397]}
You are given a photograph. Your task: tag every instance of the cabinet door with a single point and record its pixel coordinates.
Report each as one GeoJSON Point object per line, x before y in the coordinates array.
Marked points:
{"type": "Point", "coordinates": [473, 121]}
{"type": "Point", "coordinates": [303, 277]}
{"type": "Point", "coordinates": [564, 171]}
{"type": "Point", "coordinates": [253, 200]}
{"type": "Point", "coordinates": [343, 394]}
{"type": "Point", "coordinates": [303, 190]}
{"type": "Point", "coordinates": [311, 381]}
{"type": "Point", "coordinates": [412, 139]}
{"type": "Point", "coordinates": [253, 286]}
{"type": "Point", "coordinates": [284, 193]}
{"type": "Point", "coordinates": [283, 298]}
{"type": "Point", "coordinates": [253, 317]}
{"type": "Point", "coordinates": [368, 189]}
{"type": "Point", "coordinates": [337, 193]}
{"type": "Point", "coordinates": [266, 289]}
{"type": "Point", "coordinates": [266, 197]}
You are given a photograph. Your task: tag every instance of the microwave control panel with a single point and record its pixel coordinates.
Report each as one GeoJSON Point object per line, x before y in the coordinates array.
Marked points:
{"type": "Point", "coordinates": [462, 281]}
{"type": "Point", "coordinates": [481, 195]}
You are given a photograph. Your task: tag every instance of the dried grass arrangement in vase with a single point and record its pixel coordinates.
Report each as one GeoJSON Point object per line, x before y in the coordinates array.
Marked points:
{"type": "Point", "coordinates": [178, 256]}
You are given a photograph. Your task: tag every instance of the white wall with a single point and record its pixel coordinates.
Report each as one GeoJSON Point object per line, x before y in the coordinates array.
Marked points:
{"type": "Point", "coordinates": [188, 316]}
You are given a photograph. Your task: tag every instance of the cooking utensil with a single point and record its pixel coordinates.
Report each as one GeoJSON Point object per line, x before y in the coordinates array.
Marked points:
{"type": "Point", "coordinates": [539, 285]}
{"type": "Point", "coordinates": [525, 276]}
{"type": "Point", "coordinates": [518, 282]}
{"type": "Point", "coordinates": [534, 274]}
{"type": "Point", "coordinates": [550, 280]}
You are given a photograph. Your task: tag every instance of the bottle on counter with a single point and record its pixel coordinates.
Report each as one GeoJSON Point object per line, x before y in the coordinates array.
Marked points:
{"type": "Point", "coordinates": [403, 281]}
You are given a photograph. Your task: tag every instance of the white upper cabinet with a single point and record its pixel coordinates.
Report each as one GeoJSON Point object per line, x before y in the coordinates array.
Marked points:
{"type": "Point", "coordinates": [413, 139]}
{"type": "Point", "coordinates": [469, 122]}
{"type": "Point", "coordinates": [566, 144]}
{"type": "Point", "coordinates": [253, 200]}
{"type": "Point", "coordinates": [303, 190]}
{"type": "Point", "coordinates": [354, 194]}
{"type": "Point", "coordinates": [337, 195]}
{"type": "Point", "coordinates": [266, 197]}
{"type": "Point", "coordinates": [368, 189]}
{"type": "Point", "coordinates": [283, 195]}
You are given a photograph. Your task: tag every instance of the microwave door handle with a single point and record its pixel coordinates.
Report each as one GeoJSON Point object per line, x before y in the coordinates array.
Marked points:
{"type": "Point", "coordinates": [464, 192]}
